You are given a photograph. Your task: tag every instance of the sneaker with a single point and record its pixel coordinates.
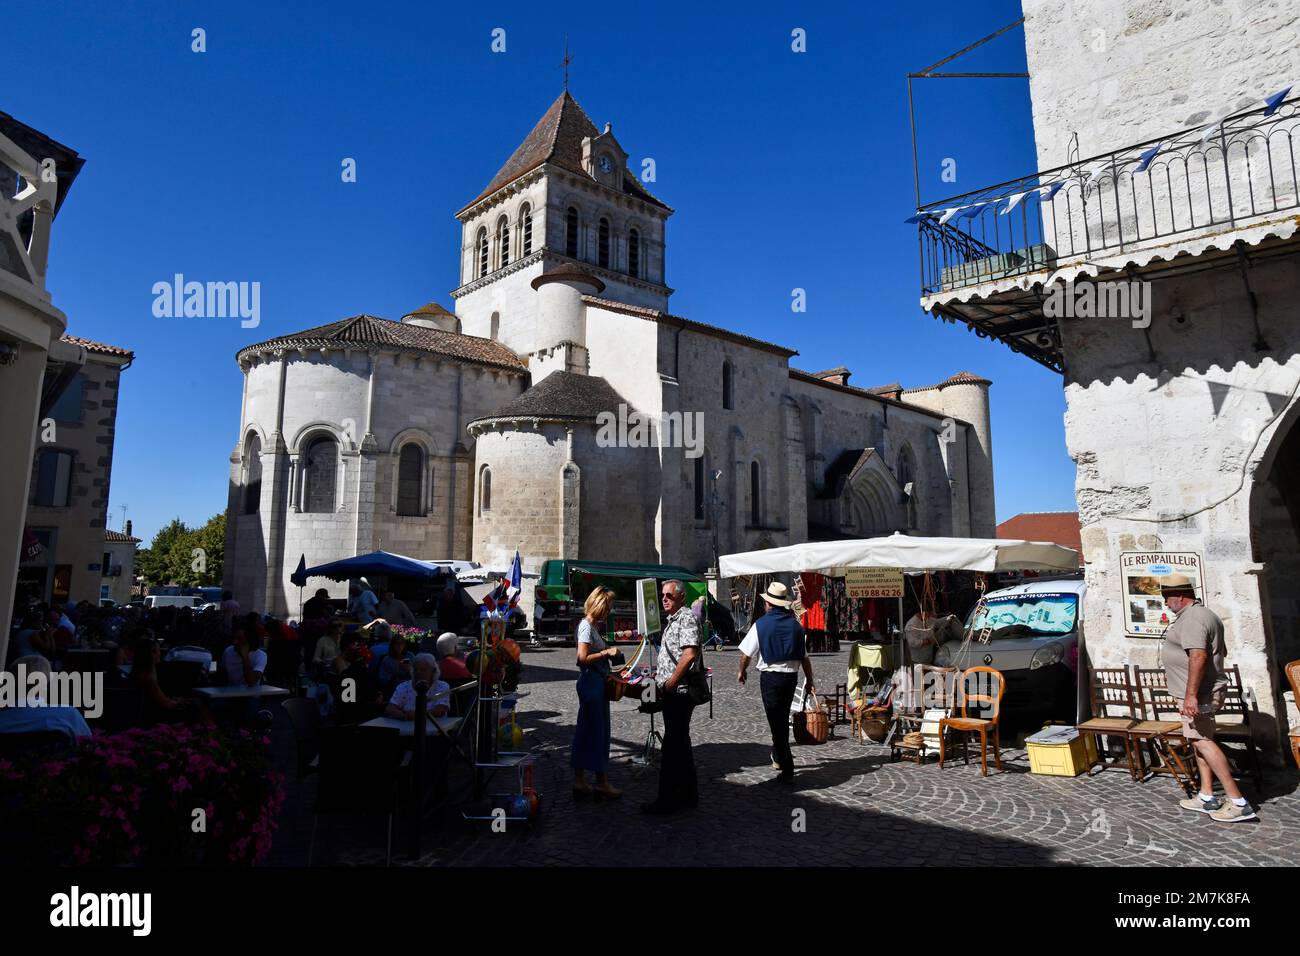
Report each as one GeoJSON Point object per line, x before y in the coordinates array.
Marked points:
{"type": "Point", "coordinates": [772, 758]}
{"type": "Point", "coordinates": [1201, 806]}
{"type": "Point", "coordinates": [1231, 813]}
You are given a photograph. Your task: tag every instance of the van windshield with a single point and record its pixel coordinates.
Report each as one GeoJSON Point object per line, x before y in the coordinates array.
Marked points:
{"type": "Point", "coordinates": [1021, 615]}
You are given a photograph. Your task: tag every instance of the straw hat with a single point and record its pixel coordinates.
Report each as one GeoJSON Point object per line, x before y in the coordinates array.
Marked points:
{"type": "Point", "coordinates": [777, 594]}
{"type": "Point", "coordinates": [1173, 585]}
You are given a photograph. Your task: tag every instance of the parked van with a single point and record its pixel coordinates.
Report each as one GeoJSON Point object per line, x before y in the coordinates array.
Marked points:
{"type": "Point", "coordinates": [174, 600]}
{"type": "Point", "coordinates": [1034, 640]}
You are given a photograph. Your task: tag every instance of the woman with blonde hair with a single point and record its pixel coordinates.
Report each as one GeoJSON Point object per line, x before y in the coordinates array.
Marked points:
{"type": "Point", "coordinates": [591, 736]}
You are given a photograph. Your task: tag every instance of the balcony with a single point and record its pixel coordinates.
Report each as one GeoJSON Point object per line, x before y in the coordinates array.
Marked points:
{"type": "Point", "coordinates": [986, 255]}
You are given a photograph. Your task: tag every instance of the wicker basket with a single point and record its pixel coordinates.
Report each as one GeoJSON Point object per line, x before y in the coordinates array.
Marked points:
{"type": "Point", "coordinates": [811, 727]}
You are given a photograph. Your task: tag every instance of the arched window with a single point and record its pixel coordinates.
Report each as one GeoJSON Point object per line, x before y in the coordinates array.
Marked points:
{"type": "Point", "coordinates": [526, 230]}
{"type": "Point", "coordinates": [634, 253]}
{"type": "Point", "coordinates": [319, 475]}
{"type": "Point", "coordinates": [728, 401]}
{"type": "Point", "coordinates": [602, 246]}
{"type": "Point", "coordinates": [494, 329]}
{"type": "Point", "coordinates": [755, 494]}
{"type": "Point", "coordinates": [252, 475]}
{"type": "Point", "coordinates": [481, 252]}
{"type": "Point", "coordinates": [410, 480]}
{"type": "Point", "coordinates": [571, 233]}
{"type": "Point", "coordinates": [485, 490]}
{"type": "Point", "coordinates": [503, 241]}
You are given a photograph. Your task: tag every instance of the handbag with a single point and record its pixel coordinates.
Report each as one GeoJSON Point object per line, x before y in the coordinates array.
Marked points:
{"type": "Point", "coordinates": [615, 688]}
{"type": "Point", "coordinates": [811, 727]}
{"type": "Point", "coordinates": [695, 684]}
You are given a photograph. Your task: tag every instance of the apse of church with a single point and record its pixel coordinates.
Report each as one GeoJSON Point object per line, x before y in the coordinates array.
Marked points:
{"type": "Point", "coordinates": [473, 432]}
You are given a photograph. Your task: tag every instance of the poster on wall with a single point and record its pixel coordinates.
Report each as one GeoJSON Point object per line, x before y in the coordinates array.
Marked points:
{"type": "Point", "coordinates": [647, 606]}
{"type": "Point", "coordinates": [1141, 573]}
{"type": "Point", "coordinates": [873, 582]}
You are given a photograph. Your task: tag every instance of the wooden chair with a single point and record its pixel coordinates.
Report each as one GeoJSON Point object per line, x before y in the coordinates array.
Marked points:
{"type": "Point", "coordinates": [1160, 729]}
{"type": "Point", "coordinates": [1293, 676]}
{"type": "Point", "coordinates": [1111, 691]}
{"type": "Point", "coordinates": [966, 724]}
{"type": "Point", "coordinates": [1238, 732]}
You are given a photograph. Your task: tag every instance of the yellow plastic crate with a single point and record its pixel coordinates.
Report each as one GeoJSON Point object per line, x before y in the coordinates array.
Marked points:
{"type": "Point", "coordinates": [1067, 759]}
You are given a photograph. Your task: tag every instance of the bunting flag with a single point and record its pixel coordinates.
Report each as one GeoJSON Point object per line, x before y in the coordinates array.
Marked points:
{"type": "Point", "coordinates": [970, 212]}
{"type": "Point", "coordinates": [1096, 172]}
{"type": "Point", "coordinates": [1047, 193]}
{"type": "Point", "coordinates": [948, 214]}
{"type": "Point", "coordinates": [917, 218]}
{"type": "Point", "coordinates": [1013, 202]}
{"type": "Point", "coordinates": [1215, 125]}
{"type": "Point", "coordinates": [1274, 101]}
{"type": "Point", "coordinates": [1147, 156]}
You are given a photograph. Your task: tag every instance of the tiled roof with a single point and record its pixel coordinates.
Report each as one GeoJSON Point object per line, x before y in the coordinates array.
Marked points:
{"type": "Point", "coordinates": [562, 396]}
{"type": "Point", "coordinates": [654, 315]}
{"type": "Point", "coordinates": [99, 347]}
{"type": "Point", "coordinates": [361, 331]}
{"type": "Point", "coordinates": [1058, 527]}
{"type": "Point", "coordinates": [557, 139]}
{"type": "Point", "coordinates": [961, 378]}
{"type": "Point", "coordinates": [430, 308]}
{"type": "Point", "coordinates": [118, 536]}
{"type": "Point", "coordinates": [876, 394]}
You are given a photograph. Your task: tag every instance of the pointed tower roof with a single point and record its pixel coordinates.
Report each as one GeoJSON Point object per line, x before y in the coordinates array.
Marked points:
{"type": "Point", "coordinates": [557, 139]}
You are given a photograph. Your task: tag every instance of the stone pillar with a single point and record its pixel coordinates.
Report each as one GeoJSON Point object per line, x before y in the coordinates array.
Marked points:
{"type": "Point", "coordinates": [668, 516]}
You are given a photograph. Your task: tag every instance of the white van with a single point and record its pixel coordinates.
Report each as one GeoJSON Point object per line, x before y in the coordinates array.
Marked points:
{"type": "Point", "coordinates": [1034, 638]}
{"type": "Point", "coordinates": [173, 600]}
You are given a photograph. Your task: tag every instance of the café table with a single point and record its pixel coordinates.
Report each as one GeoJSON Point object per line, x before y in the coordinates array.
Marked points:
{"type": "Point", "coordinates": [241, 692]}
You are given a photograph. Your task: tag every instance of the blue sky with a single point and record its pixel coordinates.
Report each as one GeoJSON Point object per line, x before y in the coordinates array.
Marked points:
{"type": "Point", "coordinates": [786, 170]}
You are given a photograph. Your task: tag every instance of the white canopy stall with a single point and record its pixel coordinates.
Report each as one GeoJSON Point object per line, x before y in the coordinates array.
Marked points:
{"type": "Point", "coordinates": [989, 555]}
{"type": "Point", "coordinates": [911, 554]}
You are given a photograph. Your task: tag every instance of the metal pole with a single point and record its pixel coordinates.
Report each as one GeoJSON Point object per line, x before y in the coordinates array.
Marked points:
{"type": "Point", "coordinates": [417, 776]}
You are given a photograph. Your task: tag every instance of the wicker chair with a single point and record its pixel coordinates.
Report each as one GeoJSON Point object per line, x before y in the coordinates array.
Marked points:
{"type": "Point", "coordinates": [1112, 691]}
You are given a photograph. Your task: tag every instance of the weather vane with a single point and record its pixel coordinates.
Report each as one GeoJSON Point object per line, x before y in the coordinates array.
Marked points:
{"type": "Point", "coordinates": [567, 60]}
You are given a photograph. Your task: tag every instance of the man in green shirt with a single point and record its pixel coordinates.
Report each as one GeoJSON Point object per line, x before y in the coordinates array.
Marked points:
{"type": "Point", "coordinates": [1192, 657]}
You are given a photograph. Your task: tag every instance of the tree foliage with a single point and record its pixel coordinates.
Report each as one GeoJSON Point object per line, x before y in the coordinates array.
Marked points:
{"type": "Point", "coordinates": [189, 557]}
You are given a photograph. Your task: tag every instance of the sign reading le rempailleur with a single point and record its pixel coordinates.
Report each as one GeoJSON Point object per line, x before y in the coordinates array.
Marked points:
{"type": "Point", "coordinates": [1141, 574]}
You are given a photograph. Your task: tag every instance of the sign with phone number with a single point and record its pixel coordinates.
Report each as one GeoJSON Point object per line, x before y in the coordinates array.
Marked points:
{"type": "Point", "coordinates": [874, 582]}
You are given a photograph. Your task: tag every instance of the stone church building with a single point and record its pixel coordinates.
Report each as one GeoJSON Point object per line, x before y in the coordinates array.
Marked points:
{"type": "Point", "coordinates": [473, 432]}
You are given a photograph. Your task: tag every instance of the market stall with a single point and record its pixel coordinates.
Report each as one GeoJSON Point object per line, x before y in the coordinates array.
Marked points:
{"type": "Point", "coordinates": [875, 569]}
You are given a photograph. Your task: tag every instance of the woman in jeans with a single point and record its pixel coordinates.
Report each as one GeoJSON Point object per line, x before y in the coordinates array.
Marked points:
{"type": "Point", "coordinates": [591, 736]}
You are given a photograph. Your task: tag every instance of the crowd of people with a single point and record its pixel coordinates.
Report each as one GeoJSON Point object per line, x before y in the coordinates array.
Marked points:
{"type": "Point", "coordinates": [357, 662]}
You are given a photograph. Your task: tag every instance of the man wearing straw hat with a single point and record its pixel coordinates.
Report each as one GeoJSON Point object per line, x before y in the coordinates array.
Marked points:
{"type": "Point", "coordinates": [776, 644]}
{"type": "Point", "coordinates": [1192, 657]}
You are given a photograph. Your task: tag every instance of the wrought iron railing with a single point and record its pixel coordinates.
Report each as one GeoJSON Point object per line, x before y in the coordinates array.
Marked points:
{"type": "Point", "coordinates": [1229, 174]}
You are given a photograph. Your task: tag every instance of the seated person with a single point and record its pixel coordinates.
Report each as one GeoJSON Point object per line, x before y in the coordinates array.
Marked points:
{"type": "Point", "coordinates": [244, 661]}
{"type": "Point", "coordinates": [317, 608]}
{"type": "Point", "coordinates": [402, 706]}
{"type": "Point", "coordinates": [60, 632]}
{"type": "Point", "coordinates": [157, 707]}
{"type": "Point", "coordinates": [357, 697]}
{"type": "Point", "coordinates": [35, 715]}
{"type": "Point", "coordinates": [450, 664]}
{"type": "Point", "coordinates": [395, 666]}
{"type": "Point", "coordinates": [32, 638]}
{"type": "Point", "coordinates": [327, 648]}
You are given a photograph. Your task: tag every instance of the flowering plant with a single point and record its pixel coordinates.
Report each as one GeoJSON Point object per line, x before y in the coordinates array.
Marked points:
{"type": "Point", "coordinates": [411, 635]}
{"type": "Point", "coordinates": [171, 794]}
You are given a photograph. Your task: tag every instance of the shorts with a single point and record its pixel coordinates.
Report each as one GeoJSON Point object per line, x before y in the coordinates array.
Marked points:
{"type": "Point", "coordinates": [1200, 727]}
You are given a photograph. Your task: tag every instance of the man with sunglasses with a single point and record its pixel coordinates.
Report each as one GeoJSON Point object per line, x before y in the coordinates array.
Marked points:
{"type": "Point", "coordinates": [678, 649]}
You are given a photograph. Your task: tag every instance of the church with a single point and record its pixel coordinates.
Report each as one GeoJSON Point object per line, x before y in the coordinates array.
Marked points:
{"type": "Point", "coordinates": [474, 431]}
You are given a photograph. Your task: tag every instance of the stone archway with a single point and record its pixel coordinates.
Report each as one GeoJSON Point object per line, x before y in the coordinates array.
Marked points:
{"type": "Point", "coordinates": [1275, 540]}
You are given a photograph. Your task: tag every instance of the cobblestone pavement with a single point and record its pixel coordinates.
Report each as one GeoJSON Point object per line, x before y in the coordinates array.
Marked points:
{"type": "Point", "coordinates": [858, 808]}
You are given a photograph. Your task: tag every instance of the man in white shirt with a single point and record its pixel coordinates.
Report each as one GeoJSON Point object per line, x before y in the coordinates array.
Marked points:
{"type": "Point", "coordinates": [243, 661]}
{"type": "Point", "coordinates": [402, 705]}
{"type": "Point", "coordinates": [776, 644]}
